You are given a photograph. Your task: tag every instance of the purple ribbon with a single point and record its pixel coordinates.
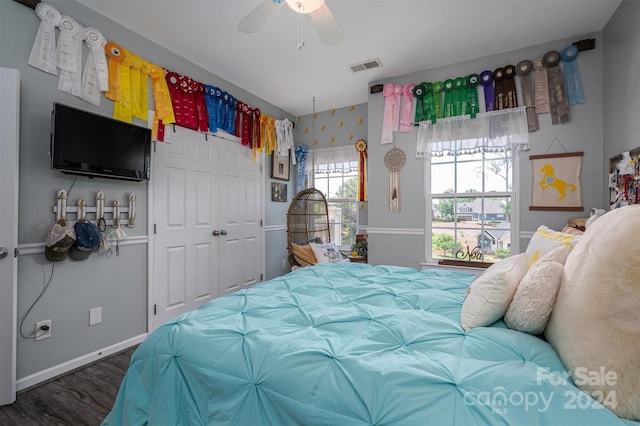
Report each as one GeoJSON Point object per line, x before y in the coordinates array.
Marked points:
{"type": "Point", "coordinates": [486, 81]}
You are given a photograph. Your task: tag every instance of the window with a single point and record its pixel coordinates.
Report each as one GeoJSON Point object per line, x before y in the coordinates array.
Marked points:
{"type": "Point", "coordinates": [335, 174]}
{"type": "Point", "coordinates": [471, 172]}
{"type": "Point", "coordinates": [471, 197]}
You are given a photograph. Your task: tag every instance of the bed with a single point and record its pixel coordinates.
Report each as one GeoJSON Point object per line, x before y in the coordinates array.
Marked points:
{"type": "Point", "coordinates": [348, 344]}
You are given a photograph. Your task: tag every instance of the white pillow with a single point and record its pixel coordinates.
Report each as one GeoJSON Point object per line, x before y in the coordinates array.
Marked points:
{"type": "Point", "coordinates": [489, 295]}
{"type": "Point", "coordinates": [546, 239]}
{"type": "Point", "coordinates": [533, 302]}
{"type": "Point", "coordinates": [326, 252]}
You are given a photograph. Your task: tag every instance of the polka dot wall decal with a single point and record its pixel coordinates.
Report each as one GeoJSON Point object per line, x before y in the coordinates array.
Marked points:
{"type": "Point", "coordinates": [341, 123]}
{"type": "Point", "coordinates": [353, 107]}
{"type": "Point", "coordinates": [333, 139]}
{"type": "Point", "coordinates": [315, 141]}
{"type": "Point", "coordinates": [360, 121]}
{"type": "Point", "coordinates": [351, 137]}
{"type": "Point", "coordinates": [324, 127]}
{"type": "Point", "coordinates": [315, 115]}
{"type": "Point", "coordinates": [298, 119]}
{"type": "Point", "coordinates": [306, 130]}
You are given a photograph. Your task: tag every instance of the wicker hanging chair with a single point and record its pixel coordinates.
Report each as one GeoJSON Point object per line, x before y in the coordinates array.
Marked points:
{"type": "Point", "coordinates": [307, 220]}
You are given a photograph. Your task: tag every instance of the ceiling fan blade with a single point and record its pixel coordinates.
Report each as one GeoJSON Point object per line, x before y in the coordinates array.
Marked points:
{"type": "Point", "coordinates": [259, 16]}
{"type": "Point", "coordinates": [327, 26]}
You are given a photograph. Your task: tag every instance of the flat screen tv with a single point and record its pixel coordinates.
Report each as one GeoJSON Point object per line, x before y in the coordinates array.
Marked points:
{"type": "Point", "coordinates": [83, 143]}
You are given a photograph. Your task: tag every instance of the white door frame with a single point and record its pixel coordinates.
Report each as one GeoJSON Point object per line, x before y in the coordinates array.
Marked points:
{"type": "Point", "coordinates": [152, 187]}
{"type": "Point", "coordinates": [9, 129]}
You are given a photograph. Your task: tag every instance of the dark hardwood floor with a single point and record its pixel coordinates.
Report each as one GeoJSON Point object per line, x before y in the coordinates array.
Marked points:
{"type": "Point", "coordinates": [81, 397]}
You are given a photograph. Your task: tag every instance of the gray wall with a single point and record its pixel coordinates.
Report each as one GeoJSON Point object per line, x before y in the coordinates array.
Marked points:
{"type": "Point", "coordinates": [621, 83]}
{"type": "Point", "coordinates": [117, 284]}
{"type": "Point", "coordinates": [582, 133]}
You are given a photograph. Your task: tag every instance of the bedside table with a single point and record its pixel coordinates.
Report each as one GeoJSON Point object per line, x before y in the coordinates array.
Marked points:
{"type": "Point", "coordinates": [358, 259]}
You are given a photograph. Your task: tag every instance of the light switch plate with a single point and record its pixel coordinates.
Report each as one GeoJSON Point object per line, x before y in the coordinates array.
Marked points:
{"type": "Point", "coordinates": [95, 316]}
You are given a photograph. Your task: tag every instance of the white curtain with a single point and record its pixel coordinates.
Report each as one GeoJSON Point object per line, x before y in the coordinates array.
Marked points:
{"type": "Point", "coordinates": [340, 159]}
{"type": "Point", "coordinates": [494, 131]}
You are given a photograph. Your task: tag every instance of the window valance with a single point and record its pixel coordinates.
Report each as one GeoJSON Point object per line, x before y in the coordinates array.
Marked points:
{"type": "Point", "coordinates": [340, 159]}
{"type": "Point", "coordinates": [494, 131]}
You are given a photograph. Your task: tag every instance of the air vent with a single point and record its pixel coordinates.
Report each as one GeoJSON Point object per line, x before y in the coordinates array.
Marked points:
{"type": "Point", "coordinates": [365, 65]}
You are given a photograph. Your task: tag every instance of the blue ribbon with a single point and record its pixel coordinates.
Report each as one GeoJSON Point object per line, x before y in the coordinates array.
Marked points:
{"type": "Point", "coordinates": [210, 100]}
{"type": "Point", "coordinates": [301, 158]}
{"type": "Point", "coordinates": [230, 119]}
{"type": "Point", "coordinates": [572, 80]}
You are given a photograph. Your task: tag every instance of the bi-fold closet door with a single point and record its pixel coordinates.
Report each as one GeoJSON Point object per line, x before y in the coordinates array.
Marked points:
{"type": "Point", "coordinates": [207, 204]}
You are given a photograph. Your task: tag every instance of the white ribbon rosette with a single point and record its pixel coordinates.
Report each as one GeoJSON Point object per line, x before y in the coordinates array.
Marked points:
{"type": "Point", "coordinates": [43, 52]}
{"type": "Point", "coordinates": [95, 78]}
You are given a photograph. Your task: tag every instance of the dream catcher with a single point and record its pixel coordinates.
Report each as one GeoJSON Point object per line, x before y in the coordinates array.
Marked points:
{"type": "Point", "coordinates": [394, 160]}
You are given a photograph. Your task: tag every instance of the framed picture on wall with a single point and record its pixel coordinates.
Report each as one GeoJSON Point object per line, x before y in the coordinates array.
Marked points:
{"type": "Point", "coordinates": [280, 166]}
{"type": "Point", "coordinates": [556, 182]}
{"type": "Point", "coordinates": [279, 192]}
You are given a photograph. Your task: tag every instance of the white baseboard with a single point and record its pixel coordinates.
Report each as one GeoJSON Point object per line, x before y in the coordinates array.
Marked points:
{"type": "Point", "coordinates": [65, 367]}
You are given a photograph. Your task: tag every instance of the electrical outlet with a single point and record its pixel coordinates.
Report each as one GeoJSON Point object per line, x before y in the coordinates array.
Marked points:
{"type": "Point", "coordinates": [43, 329]}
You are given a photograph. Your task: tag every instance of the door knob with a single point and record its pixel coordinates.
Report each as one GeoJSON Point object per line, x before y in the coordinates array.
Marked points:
{"type": "Point", "coordinates": [215, 233]}
{"type": "Point", "coordinates": [223, 232]}
{"type": "Point", "coordinates": [4, 252]}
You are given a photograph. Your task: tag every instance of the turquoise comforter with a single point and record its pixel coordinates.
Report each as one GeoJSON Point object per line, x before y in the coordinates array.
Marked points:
{"type": "Point", "coordinates": [347, 344]}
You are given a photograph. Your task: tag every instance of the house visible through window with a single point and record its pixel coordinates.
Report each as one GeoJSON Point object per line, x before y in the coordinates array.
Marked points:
{"type": "Point", "coordinates": [471, 173]}
{"type": "Point", "coordinates": [471, 197]}
{"type": "Point", "coordinates": [335, 174]}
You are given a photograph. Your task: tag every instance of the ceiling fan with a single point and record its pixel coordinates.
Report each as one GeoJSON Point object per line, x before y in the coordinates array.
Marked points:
{"type": "Point", "coordinates": [325, 23]}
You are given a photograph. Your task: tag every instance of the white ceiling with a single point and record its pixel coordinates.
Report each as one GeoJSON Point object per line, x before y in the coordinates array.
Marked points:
{"type": "Point", "coordinates": [406, 35]}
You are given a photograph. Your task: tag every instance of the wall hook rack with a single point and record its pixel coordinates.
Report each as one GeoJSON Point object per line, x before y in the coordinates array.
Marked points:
{"type": "Point", "coordinates": [99, 211]}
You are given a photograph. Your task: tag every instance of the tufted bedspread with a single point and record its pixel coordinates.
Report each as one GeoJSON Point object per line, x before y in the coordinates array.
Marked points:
{"type": "Point", "coordinates": [347, 344]}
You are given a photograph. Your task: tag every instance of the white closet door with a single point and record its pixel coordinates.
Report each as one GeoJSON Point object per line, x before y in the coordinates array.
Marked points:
{"type": "Point", "coordinates": [9, 129]}
{"type": "Point", "coordinates": [207, 207]}
{"type": "Point", "coordinates": [185, 216]}
{"type": "Point", "coordinates": [240, 215]}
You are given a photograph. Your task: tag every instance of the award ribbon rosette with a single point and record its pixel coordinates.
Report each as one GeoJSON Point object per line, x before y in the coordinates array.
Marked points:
{"type": "Point", "coordinates": [122, 106]}
{"type": "Point", "coordinates": [472, 81]}
{"type": "Point", "coordinates": [500, 96]}
{"type": "Point", "coordinates": [407, 108]}
{"type": "Point", "coordinates": [301, 153]}
{"type": "Point", "coordinates": [510, 86]}
{"type": "Point", "coordinates": [486, 81]}
{"type": "Point", "coordinates": [116, 56]}
{"type": "Point", "coordinates": [163, 113]}
{"type": "Point", "coordinates": [69, 55]}
{"type": "Point", "coordinates": [527, 85]}
{"type": "Point", "coordinates": [139, 96]}
{"type": "Point", "coordinates": [95, 77]}
{"type": "Point", "coordinates": [572, 78]}
{"type": "Point", "coordinates": [449, 98]}
{"type": "Point", "coordinates": [558, 103]}
{"type": "Point", "coordinates": [211, 108]}
{"type": "Point", "coordinates": [361, 147]}
{"type": "Point", "coordinates": [461, 96]}
{"type": "Point", "coordinates": [43, 51]}
{"type": "Point", "coordinates": [436, 92]}
{"type": "Point", "coordinates": [391, 113]}
{"type": "Point", "coordinates": [541, 87]}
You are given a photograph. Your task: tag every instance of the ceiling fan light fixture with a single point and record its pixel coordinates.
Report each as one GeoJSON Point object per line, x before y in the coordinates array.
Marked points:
{"type": "Point", "coordinates": [305, 6]}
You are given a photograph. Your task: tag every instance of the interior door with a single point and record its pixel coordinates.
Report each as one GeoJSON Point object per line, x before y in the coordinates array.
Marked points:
{"type": "Point", "coordinates": [9, 141]}
{"type": "Point", "coordinates": [184, 178]}
{"type": "Point", "coordinates": [240, 218]}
